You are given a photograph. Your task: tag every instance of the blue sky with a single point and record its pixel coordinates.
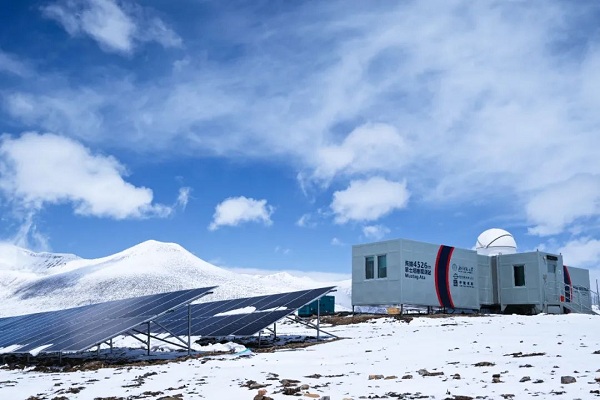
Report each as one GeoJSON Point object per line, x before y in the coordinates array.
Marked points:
{"type": "Point", "coordinates": [274, 135]}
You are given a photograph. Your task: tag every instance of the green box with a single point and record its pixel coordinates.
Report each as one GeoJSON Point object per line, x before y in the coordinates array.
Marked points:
{"type": "Point", "coordinates": [327, 307]}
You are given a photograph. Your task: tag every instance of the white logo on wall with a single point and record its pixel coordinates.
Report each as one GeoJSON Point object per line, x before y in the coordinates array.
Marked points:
{"type": "Point", "coordinates": [462, 276]}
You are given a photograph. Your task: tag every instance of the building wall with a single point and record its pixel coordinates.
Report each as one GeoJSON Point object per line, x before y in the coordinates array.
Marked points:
{"type": "Point", "coordinates": [486, 280]}
{"type": "Point", "coordinates": [544, 280]}
{"type": "Point", "coordinates": [579, 292]}
{"type": "Point", "coordinates": [428, 274]}
{"type": "Point", "coordinates": [417, 273]}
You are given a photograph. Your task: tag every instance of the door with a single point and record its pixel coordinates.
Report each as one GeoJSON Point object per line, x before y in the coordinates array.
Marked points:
{"type": "Point", "coordinates": [553, 281]}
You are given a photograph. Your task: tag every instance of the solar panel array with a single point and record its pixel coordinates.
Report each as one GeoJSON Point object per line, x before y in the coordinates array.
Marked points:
{"type": "Point", "coordinates": [212, 319]}
{"type": "Point", "coordinates": [78, 329]}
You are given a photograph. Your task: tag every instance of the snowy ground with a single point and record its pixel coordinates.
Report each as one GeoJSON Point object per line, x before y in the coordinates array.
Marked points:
{"type": "Point", "coordinates": [510, 348]}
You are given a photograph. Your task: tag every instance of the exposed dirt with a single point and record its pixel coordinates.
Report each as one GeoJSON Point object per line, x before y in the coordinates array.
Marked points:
{"type": "Point", "coordinates": [359, 318]}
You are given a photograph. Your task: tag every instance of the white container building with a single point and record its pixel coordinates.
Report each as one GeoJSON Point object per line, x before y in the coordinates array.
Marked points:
{"type": "Point", "coordinates": [493, 278]}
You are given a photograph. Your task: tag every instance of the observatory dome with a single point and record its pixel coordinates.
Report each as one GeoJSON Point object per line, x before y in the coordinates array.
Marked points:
{"type": "Point", "coordinates": [496, 241]}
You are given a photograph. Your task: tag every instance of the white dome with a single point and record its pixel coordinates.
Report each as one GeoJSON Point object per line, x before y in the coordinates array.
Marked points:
{"type": "Point", "coordinates": [496, 241]}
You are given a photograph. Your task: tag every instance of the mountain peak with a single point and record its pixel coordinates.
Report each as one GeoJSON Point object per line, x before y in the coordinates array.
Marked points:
{"type": "Point", "coordinates": [146, 268]}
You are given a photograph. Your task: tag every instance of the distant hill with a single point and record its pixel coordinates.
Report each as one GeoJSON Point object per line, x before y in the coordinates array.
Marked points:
{"type": "Point", "coordinates": [32, 282]}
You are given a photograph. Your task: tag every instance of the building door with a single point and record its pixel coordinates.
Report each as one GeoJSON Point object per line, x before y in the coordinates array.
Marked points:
{"type": "Point", "coordinates": [554, 292]}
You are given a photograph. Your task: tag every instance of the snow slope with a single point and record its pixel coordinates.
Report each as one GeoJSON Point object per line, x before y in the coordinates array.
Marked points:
{"type": "Point", "coordinates": [488, 357]}
{"type": "Point", "coordinates": [31, 282]}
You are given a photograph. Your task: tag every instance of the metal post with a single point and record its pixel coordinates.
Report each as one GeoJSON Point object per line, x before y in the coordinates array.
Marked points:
{"type": "Point", "coordinates": [274, 331]}
{"type": "Point", "coordinates": [148, 345]}
{"type": "Point", "coordinates": [318, 319]}
{"type": "Point", "coordinates": [259, 335]}
{"type": "Point", "coordinates": [98, 351]}
{"type": "Point", "coordinates": [189, 342]}
{"type": "Point", "coordinates": [111, 346]}
{"type": "Point", "coordinates": [597, 294]}
{"type": "Point", "coordinates": [60, 358]}
{"type": "Point", "coordinates": [401, 309]}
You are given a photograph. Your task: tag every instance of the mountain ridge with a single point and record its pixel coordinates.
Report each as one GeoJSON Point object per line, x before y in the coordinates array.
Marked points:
{"type": "Point", "coordinates": [48, 281]}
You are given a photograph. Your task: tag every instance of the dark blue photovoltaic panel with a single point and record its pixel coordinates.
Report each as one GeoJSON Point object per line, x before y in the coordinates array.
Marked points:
{"type": "Point", "coordinates": [80, 328]}
{"type": "Point", "coordinates": [206, 321]}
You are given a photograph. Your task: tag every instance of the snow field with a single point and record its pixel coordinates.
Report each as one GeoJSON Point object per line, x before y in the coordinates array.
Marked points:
{"type": "Point", "coordinates": [386, 347]}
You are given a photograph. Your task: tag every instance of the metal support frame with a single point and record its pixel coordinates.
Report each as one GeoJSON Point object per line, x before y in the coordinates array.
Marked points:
{"type": "Point", "coordinates": [189, 341]}
{"type": "Point", "coordinates": [311, 325]}
{"type": "Point", "coordinates": [319, 319]}
{"type": "Point", "coordinates": [148, 343]}
{"type": "Point", "coordinates": [185, 344]}
{"type": "Point", "coordinates": [156, 338]}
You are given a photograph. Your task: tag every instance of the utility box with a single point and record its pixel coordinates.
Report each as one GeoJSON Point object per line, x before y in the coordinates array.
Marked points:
{"type": "Point", "coordinates": [409, 272]}
{"type": "Point", "coordinates": [327, 307]}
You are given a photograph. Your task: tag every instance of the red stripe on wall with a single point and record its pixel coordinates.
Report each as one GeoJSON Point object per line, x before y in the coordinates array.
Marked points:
{"type": "Point", "coordinates": [435, 278]}
{"type": "Point", "coordinates": [448, 277]}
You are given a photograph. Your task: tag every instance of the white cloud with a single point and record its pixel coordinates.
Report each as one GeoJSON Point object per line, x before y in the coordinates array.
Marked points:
{"type": "Point", "coordinates": [183, 197]}
{"type": "Point", "coordinates": [581, 252]}
{"type": "Point", "coordinates": [337, 242]}
{"type": "Point", "coordinates": [28, 235]}
{"type": "Point", "coordinates": [38, 169]}
{"type": "Point", "coordinates": [282, 250]}
{"type": "Point", "coordinates": [11, 64]}
{"type": "Point", "coordinates": [442, 98]}
{"type": "Point", "coordinates": [375, 232]}
{"type": "Point", "coordinates": [237, 210]}
{"type": "Point", "coordinates": [111, 26]}
{"type": "Point", "coordinates": [305, 221]}
{"type": "Point", "coordinates": [369, 200]}
{"type": "Point", "coordinates": [552, 209]}
{"type": "Point", "coordinates": [368, 148]}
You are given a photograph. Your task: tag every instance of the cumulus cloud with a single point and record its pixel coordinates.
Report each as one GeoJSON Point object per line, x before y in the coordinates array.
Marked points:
{"type": "Point", "coordinates": [581, 252]}
{"type": "Point", "coordinates": [375, 232]}
{"type": "Point", "coordinates": [369, 200]}
{"type": "Point", "coordinates": [39, 169]}
{"type": "Point", "coordinates": [450, 98]}
{"type": "Point", "coordinates": [337, 242]}
{"type": "Point", "coordinates": [552, 209]}
{"type": "Point", "coordinates": [110, 25]}
{"type": "Point", "coordinates": [237, 210]}
{"type": "Point", "coordinates": [368, 148]}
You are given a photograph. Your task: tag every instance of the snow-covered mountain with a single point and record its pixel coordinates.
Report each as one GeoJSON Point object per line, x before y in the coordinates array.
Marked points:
{"type": "Point", "coordinates": [31, 282]}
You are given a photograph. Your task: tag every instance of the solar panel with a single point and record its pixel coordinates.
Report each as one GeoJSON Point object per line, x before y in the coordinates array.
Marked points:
{"type": "Point", "coordinates": [80, 328]}
{"type": "Point", "coordinates": [207, 319]}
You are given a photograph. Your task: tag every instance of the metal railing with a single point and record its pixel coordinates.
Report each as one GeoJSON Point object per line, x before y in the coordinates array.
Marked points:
{"type": "Point", "coordinates": [575, 298]}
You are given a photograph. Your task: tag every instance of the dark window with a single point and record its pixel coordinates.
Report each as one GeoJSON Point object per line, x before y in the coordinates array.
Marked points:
{"type": "Point", "coordinates": [370, 267]}
{"type": "Point", "coordinates": [519, 271]}
{"type": "Point", "coordinates": [382, 266]}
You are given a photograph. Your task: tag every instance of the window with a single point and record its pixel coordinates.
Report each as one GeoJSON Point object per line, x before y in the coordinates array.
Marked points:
{"type": "Point", "coordinates": [382, 266]}
{"type": "Point", "coordinates": [519, 272]}
{"type": "Point", "coordinates": [551, 268]}
{"type": "Point", "coordinates": [370, 267]}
